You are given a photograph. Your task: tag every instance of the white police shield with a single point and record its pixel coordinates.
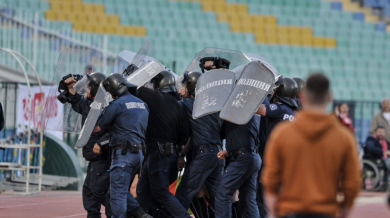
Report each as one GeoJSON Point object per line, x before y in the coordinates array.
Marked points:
{"type": "Point", "coordinates": [255, 82]}
{"type": "Point", "coordinates": [212, 90]}
{"type": "Point", "coordinates": [94, 113]}
{"type": "Point", "coordinates": [145, 73]}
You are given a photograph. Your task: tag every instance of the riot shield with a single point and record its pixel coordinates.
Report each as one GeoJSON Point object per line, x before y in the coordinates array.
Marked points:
{"type": "Point", "coordinates": [212, 90]}
{"type": "Point", "coordinates": [255, 82]}
{"type": "Point", "coordinates": [96, 109]}
{"type": "Point", "coordinates": [265, 62]}
{"type": "Point", "coordinates": [145, 73]}
{"type": "Point", "coordinates": [144, 55]}
{"type": "Point", "coordinates": [236, 58]}
{"type": "Point", "coordinates": [70, 61]}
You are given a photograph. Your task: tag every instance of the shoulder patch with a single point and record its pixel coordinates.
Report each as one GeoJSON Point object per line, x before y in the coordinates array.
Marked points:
{"type": "Point", "coordinates": [273, 107]}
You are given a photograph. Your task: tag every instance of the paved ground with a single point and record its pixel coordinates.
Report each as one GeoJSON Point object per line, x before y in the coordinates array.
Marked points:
{"type": "Point", "coordinates": [63, 204]}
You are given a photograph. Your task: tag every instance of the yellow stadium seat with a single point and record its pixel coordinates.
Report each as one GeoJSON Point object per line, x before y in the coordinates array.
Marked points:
{"type": "Point", "coordinates": [55, 6]}
{"type": "Point", "coordinates": [235, 27]}
{"type": "Point", "coordinates": [230, 8]}
{"type": "Point", "coordinates": [260, 39]}
{"type": "Point", "coordinates": [89, 28]}
{"type": "Point", "coordinates": [141, 31]}
{"type": "Point", "coordinates": [271, 39]}
{"type": "Point", "coordinates": [120, 30]}
{"type": "Point", "coordinates": [241, 8]}
{"type": "Point", "coordinates": [219, 7]}
{"type": "Point", "coordinates": [330, 42]}
{"type": "Point", "coordinates": [306, 41]}
{"type": "Point", "coordinates": [78, 26]}
{"type": "Point", "coordinates": [207, 7]}
{"type": "Point", "coordinates": [100, 29]}
{"type": "Point", "coordinates": [92, 18]}
{"type": "Point", "coordinates": [269, 20]}
{"type": "Point", "coordinates": [72, 17]}
{"type": "Point", "coordinates": [50, 15]}
{"type": "Point", "coordinates": [79, 8]}
{"type": "Point", "coordinates": [318, 42]}
{"type": "Point", "coordinates": [81, 17]}
{"type": "Point", "coordinates": [233, 18]}
{"type": "Point", "coordinates": [113, 19]}
{"type": "Point", "coordinates": [222, 17]}
{"type": "Point", "coordinates": [245, 19]}
{"type": "Point", "coordinates": [257, 19]}
{"type": "Point", "coordinates": [111, 29]}
{"type": "Point", "coordinates": [282, 30]}
{"type": "Point", "coordinates": [246, 28]}
{"type": "Point", "coordinates": [98, 8]}
{"type": "Point", "coordinates": [61, 16]}
{"type": "Point", "coordinates": [283, 39]}
{"type": "Point", "coordinates": [65, 7]}
{"type": "Point", "coordinates": [294, 41]}
{"type": "Point", "coordinates": [306, 32]}
{"type": "Point", "coordinates": [102, 19]}
{"type": "Point", "coordinates": [294, 31]}
{"type": "Point", "coordinates": [270, 30]}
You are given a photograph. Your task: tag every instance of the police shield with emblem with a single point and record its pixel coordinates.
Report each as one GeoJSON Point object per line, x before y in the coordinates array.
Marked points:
{"type": "Point", "coordinates": [212, 90]}
{"type": "Point", "coordinates": [255, 82]}
{"type": "Point", "coordinates": [71, 63]}
{"type": "Point", "coordinates": [96, 109]}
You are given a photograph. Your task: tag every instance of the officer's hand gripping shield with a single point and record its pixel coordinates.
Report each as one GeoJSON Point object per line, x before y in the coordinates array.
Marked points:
{"type": "Point", "coordinates": [99, 103]}
{"type": "Point", "coordinates": [71, 61]}
{"type": "Point", "coordinates": [252, 87]}
{"type": "Point", "coordinates": [236, 58]}
{"type": "Point", "coordinates": [212, 90]}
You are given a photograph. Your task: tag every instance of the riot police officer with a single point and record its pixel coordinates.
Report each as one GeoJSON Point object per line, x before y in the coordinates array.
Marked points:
{"type": "Point", "coordinates": [301, 85]}
{"type": "Point", "coordinates": [205, 137]}
{"type": "Point", "coordinates": [97, 180]}
{"type": "Point", "coordinates": [126, 118]}
{"type": "Point", "coordinates": [242, 171]}
{"type": "Point", "coordinates": [283, 105]}
{"type": "Point", "coordinates": [167, 130]}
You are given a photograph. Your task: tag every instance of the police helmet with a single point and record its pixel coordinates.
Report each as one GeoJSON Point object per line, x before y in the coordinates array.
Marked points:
{"type": "Point", "coordinates": [117, 85]}
{"type": "Point", "coordinates": [164, 82]}
{"type": "Point", "coordinates": [301, 83]}
{"type": "Point", "coordinates": [190, 80]}
{"type": "Point", "coordinates": [94, 81]}
{"type": "Point", "coordinates": [287, 91]}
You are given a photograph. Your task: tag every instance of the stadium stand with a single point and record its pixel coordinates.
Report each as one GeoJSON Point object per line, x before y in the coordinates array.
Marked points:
{"type": "Point", "coordinates": [339, 38]}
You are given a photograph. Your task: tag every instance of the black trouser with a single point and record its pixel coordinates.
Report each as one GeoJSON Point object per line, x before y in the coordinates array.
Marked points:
{"type": "Point", "coordinates": [95, 187]}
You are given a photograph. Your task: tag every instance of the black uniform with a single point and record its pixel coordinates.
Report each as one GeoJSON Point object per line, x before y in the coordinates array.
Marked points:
{"type": "Point", "coordinates": [97, 182]}
{"type": "Point", "coordinates": [167, 127]}
{"type": "Point", "coordinates": [205, 166]}
{"type": "Point", "coordinates": [242, 171]}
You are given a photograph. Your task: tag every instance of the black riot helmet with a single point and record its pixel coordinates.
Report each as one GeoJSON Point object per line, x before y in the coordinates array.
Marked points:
{"type": "Point", "coordinates": [94, 81]}
{"type": "Point", "coordinates": [300, 82]}
{"type": "Point", "coordinates": [190, 79]}
{"type": "Point", "coordinates": [117, 85]}
{"type": "Point", "coordinates": [287, 91]}
{"type": "Point", "coordinates": [164, 82]}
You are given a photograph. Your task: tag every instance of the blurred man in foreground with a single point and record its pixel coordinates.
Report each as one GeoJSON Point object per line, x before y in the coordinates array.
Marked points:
{"type": "Point", "coordinates": [304, 160]}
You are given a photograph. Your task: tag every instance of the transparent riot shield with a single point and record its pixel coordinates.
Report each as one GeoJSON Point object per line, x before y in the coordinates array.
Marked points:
{"type": "Point", "coordinates": [236, 58]}
{"type": "Point", "coordinates": [58, 113]}
{"type": "Point", "coordinates": [144, 55]}
{"type": "Point", "coordinates": [265, 62]}
{"type": "Point", "coordinates": [97, 107]}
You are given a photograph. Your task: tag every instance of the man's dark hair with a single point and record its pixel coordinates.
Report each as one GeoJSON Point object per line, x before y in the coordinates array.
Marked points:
{"type": "Point", "coordinates": [379, 127]}
{"type": "Point", "coordinates": [317, 87]}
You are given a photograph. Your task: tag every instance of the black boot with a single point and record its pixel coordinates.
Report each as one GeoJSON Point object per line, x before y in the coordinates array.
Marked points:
{"type": "Point", "coordinates": [138, 213]}
{"type": "Point", "coordinates": [236, 210]}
